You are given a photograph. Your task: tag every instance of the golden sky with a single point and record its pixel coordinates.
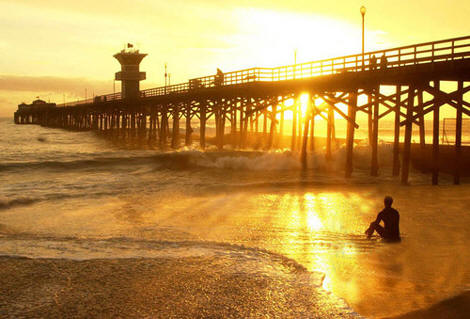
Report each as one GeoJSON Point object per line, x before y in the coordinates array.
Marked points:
{"type": "Point", "coordinates": [56, 47]}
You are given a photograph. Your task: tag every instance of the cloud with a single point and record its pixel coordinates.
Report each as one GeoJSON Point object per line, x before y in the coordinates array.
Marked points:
{"type": "Point", "coordinates": [15, 89]}
{"type": "Point", "coordinates": [52, 84]}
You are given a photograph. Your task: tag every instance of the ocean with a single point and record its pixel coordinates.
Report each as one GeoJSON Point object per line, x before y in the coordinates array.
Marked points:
{"type": "Point", "coordinates": [230, 233]}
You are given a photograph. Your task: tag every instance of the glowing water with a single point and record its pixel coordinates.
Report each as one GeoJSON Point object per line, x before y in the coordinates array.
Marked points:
{"type": "Point", "coordinates": [76, 196]}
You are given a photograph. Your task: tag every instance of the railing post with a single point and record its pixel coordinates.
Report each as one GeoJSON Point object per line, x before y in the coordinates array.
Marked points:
{"type": "Point", "coordinates": [453, 45]}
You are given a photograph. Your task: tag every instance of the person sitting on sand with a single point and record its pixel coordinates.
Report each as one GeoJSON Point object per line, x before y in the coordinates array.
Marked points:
{"type": "Point", "coordinates": [391, 218]}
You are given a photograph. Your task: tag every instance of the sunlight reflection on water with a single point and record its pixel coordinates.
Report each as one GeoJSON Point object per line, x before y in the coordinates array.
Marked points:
{"type": "Point", "coordinates": [320, 228]}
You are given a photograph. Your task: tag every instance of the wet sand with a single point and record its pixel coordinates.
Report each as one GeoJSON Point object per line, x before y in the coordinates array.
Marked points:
{"type": "Point", "coordinates": [457, 307]}
{"type": "Point", "coordinates": [158, 288]}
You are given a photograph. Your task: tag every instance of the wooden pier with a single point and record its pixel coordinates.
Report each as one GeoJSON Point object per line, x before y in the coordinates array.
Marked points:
{"type": "Point", "coordinates": [254, 100]}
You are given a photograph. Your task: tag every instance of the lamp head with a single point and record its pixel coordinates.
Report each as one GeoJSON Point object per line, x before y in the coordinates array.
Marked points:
{"type": "Point", "coordinates": [363, 10]}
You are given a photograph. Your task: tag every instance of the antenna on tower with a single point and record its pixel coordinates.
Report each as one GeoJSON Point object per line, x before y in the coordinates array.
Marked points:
{"type": "Point", "coordinates": [166, 74]}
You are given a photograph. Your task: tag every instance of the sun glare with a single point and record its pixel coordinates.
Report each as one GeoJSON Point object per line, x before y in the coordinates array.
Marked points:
{"type": "Point", "coordinates": [304, 99]}
{"type": "Point", "coordinates": [275, 36]}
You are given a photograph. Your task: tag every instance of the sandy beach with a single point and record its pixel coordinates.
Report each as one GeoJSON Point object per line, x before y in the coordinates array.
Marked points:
{"type": "Point", "coordinates": [155, 288]}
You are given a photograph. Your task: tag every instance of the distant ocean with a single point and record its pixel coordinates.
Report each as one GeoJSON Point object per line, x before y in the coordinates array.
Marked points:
{"type": "Point", "coordinates": [78, 196]}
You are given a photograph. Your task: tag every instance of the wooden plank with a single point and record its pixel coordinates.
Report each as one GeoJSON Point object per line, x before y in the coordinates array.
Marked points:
{"type": "Point", "coordinates": [338, 110]}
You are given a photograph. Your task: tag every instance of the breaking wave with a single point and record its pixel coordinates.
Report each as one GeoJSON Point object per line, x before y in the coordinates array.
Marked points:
{"type": "Point", "coordinates": [193, 159]}
{"type": "Point", "coordinates": [278, 160]}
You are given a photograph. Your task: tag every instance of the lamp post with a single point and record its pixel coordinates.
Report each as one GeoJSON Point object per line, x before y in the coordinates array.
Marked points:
{"type": "Point", "coordinates": [363, 13]}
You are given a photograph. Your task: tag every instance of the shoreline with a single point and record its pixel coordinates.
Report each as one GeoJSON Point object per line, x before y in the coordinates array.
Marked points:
{"type": "Point", "coordinates": [170, 288]}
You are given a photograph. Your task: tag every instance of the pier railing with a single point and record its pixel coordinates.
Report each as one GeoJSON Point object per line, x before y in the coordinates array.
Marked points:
{"type": "Point", "coordinates": [423, 53]}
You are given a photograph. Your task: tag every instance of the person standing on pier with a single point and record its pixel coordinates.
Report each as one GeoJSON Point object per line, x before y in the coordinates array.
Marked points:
{"type": "Point", "coordinates": [219, 77]}
{"type": "Point", "coordinates": [383, 62]}
{"type": "Point", "coordinates": [391, 219]}
{"type": "Point", "coordinates": [373, 62]}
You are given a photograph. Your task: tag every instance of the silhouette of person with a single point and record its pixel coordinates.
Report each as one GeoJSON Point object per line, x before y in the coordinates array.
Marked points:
{"type": "Point", "coordinates": [383, 62]}
{"type": "Point", "coordinates": [373, 62]}
{"type": "Point", "coordinates": [391, 218]}
{"type": "Point", "coordinates": [219, 77]}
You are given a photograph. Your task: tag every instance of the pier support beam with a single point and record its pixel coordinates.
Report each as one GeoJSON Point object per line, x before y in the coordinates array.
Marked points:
{"type": "Point", "coordinates": [202, 127]}
{"type": "Point", "coordinates": [188, 130]}
{"type": "Point", "coordinates": [408, 131]}
{"type": "Point", "coordinates": [175, 139]}
{"type": "Point", "coordinates": [308, 118]}
{"type": "Point", "coordinates": [350, 133]}
{"type": "Point", "coordinates": [265, 126]}
{"type": "Point", "coordinates": [219, 125]}
{"type": "Point", "coordinates": [281, 126]}
{"type": "Point", "coordinates": [312, 128]}
{"type": "Point", "coordinates": [458, 134]}
{"type": "Point", "coordinates": [242, 125]}
{"type": "Point", "coordinates": [272, 129]}
{"type": "Point", "coordinates": [294, 124]}
{"type": "Point", "coordinates": [329, 132]}
{"type": "Point", "coordinates": [233, 123]}
{"type": "Point", "coordinates": [163, 128]}
{"type": "Point", "coordinates": [396, 134]}
{"type": "Point", "coordinates": [374, 165]}
{"type": "Point", "coordinates": [369, 118]}
{"type": "Point", "coordinates": [422, 135]}
{"type": "Point", "coordinates": [435, 136]}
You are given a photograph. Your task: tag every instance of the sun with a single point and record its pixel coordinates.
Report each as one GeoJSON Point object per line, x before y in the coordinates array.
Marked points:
{"type": "Point", "coordinates": [275, 36]}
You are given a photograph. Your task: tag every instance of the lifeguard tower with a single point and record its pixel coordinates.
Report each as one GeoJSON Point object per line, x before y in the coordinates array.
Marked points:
{"type": "Point", "coordinates": [130, 76]}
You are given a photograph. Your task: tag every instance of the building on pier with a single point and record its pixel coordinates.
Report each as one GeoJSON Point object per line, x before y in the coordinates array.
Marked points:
{"type": "Point", "coordinates": [36, 105]}
{"type": "Point", "coordinates": [27, 113]}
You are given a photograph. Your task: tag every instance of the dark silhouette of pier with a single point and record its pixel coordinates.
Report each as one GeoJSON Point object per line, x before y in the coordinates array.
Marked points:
{"type": "Point", "coordinates": [244, 98]}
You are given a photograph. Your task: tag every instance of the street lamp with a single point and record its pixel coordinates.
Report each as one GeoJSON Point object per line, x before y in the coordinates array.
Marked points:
{"type": "Point", "coordinates": [363, 13]}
